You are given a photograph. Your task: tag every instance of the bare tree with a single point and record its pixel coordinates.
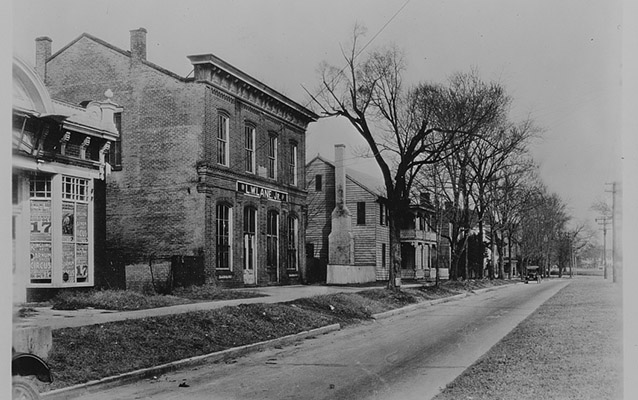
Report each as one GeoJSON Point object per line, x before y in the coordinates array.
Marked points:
{"type": "Point", "coordinates": [494, 152]}
{"type": "Point", "coordinates": [405, 128]}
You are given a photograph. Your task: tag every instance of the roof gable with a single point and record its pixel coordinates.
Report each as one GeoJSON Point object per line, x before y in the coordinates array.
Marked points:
{"type": "Point", "coordinates": [125, 53]}
{"type": "Point", "coordinates": [367, 182]}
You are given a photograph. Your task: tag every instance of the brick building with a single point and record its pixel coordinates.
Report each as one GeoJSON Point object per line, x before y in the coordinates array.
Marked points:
{"type": "Point", "coordinates": [58, 191]}
{"type": "Point", "coordinates": [208, 167]}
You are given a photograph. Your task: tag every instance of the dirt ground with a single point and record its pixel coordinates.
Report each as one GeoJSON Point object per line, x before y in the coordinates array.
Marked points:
{"type": "Point", "coordinates": [570, 348]}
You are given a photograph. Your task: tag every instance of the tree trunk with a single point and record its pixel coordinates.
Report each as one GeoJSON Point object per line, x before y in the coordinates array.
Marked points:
{"type": "Point", "coordinates": [394, 281]}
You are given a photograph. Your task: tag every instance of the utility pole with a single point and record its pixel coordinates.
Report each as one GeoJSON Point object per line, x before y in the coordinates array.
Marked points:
{"type": "Point", "coordinates": [616, 209]}
{"type": "Point", "coordinates": [603, 221]}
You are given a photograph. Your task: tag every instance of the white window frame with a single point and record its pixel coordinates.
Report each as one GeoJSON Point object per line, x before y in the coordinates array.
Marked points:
{"type": "Point", "coordinates": [272, 157]}
{"type": "Point", "coordinates": [249, 153]}
{"type": "Point", "coordinates": [293, 164]}
{"type": "Point", "coordinates": [223, 132]}
{"type": "Point", "coordinates": [230, 237]}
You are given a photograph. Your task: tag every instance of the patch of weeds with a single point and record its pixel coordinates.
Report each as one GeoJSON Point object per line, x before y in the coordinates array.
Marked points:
{"type": "Point", "coordinates": [212, 292]}
{"type": "Point", "coordinates": [121, 300]}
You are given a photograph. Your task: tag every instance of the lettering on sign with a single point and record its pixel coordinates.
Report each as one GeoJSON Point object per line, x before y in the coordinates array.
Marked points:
{"type": "Point", "coordinates": [259, 191]}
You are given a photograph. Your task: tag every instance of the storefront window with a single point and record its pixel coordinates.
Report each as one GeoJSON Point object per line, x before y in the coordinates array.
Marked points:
{"type": "Point", "coordinates": [40, 228]}
{"type": "Point", "coordinates": [75, 237]}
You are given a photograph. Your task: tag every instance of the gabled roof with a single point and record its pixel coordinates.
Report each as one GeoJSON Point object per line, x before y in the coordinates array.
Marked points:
{"type": "Point", "coordinates": [125, 53]}
{"type": "Point", "coordinates": [369, 183]}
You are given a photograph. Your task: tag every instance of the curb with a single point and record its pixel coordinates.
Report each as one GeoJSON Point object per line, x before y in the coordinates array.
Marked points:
{"type": "Point", "coordinates": [111, 381]}
{"type": "Point", "coordinates": [411, 307]}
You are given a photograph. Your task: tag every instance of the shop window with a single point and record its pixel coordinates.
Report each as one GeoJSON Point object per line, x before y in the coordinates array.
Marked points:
{"type": "Point", "coordinates": [41, 241]}
{"type": "Point", "coordinates": [75, 229]}
{"type": "Point", "coordinates": [223, 233]}
{"type": "Point", "coordinates": [293, 234]}
{"type": "Point", "coordinates": [250, 222]}
{"type": "Point", "coordinates": [272, 239]}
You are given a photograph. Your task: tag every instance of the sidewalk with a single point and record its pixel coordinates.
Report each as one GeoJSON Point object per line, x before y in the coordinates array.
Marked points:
{"type": "Point", "coordinates": [46, 317]}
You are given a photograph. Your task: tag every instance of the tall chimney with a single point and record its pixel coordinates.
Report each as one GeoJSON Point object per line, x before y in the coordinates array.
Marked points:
{"type": "Point", "coordinates": [138, 44]}
{"type": "Point", "coordinates": [340, 176]}
{"type": "Point", "coordinates": [42, 54]}
{"type": "Point", "coordinates": [341, 238]}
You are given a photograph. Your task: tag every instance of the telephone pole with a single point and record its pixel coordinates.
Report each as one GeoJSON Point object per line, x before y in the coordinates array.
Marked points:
{"type": "Point", "coordinates": [603, 221]}
{"type": "Point", "coordinates": [616, 210]}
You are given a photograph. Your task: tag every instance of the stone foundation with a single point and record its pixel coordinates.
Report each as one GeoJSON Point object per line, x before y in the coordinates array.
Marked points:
{"type": "Point", "coordinates": [348, 274]}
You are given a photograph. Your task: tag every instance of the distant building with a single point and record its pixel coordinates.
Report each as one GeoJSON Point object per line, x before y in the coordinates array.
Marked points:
{"type": "Point", "coordinates": [364, 223]}
{"type": "Point", "coordinates": [369, 257]}
{"type": "Point", "coordinates": [419, 242]}
{"type": "Point", "coordinates": [58, 193]}
{"type": "Point", "coordinates": [209, 168]}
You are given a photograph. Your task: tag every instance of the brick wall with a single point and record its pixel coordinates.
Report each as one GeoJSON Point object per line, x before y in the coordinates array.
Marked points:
{"type": "Point", "coordinates": [152, 204]}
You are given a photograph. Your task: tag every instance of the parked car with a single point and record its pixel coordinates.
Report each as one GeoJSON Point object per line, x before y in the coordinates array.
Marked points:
{"type": "Point", "coordinates": [24, 365]}
{"type": "Point", "coordinates": [533, 273]}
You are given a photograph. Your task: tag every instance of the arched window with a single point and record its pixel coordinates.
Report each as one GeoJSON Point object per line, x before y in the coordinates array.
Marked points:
{"type": "Point", "coordinates": [293, 234]}
{"type": "Point", "coordinates": [223, 234]}
{"type": "Point", "coordinates": [250, 222]}
{"type": "Point", "coordinates": [272, 244]}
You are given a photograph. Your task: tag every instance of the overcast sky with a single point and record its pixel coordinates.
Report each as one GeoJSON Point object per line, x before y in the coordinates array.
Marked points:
{"type": "Point", "coordinates": [560, 60]}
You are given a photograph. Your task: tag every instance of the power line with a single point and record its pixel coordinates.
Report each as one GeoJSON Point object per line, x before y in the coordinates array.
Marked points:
{"type": "Point", "coordinates": [360, 51]}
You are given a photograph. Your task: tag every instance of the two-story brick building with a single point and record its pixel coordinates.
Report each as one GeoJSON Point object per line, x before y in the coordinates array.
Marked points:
{"type": "Point", "coordinates": [209, 166]}
{"type": "Point", "coordinates": [58, 192]}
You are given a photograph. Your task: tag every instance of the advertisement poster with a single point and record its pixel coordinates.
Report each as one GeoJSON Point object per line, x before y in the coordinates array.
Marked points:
{"type": "Point", "coordinates": [40, 211]}
{"type": "Point", "coordinates": [82, 262]}
{"type": "Point", "coordinates": [68, 262]}
{"type": "Point", "coordinates": [40, 260]}
{"type": "Point", "coordinates": [82, 223]}
{"type": "Point", "coordinates": [68, 221]}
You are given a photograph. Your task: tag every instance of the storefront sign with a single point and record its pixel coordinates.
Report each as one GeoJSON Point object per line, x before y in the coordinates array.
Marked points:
{"type": "Point", "coordinates": [258, 191]}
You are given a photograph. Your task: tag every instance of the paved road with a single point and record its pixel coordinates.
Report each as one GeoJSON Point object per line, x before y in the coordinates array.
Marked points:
{"type": "Point", "coordinates": [407, 356]}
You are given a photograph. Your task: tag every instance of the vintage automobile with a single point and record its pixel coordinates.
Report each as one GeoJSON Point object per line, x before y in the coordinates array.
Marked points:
{"type": "Point", "coordinates": [23, 366]}
{"type": "Point", "coordinates": [533, 273]}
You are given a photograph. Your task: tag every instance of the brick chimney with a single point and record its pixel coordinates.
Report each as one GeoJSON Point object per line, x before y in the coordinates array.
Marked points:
{"type": "Point", "coordinates": [138, 44]}
{"type": "Point", "coordinates": [42, 54]}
